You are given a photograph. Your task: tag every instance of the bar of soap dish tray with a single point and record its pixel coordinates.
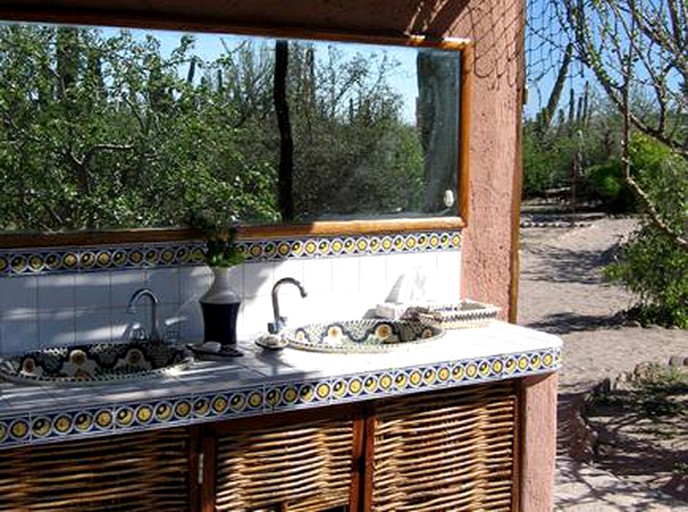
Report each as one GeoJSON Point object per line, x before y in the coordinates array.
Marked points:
{"type": "Point", "coordinates": [213, 350]}
{"type": "Point", "coordinates": [465, 314]}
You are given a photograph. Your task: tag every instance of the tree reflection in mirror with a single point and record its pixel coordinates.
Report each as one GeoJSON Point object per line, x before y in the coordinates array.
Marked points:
{"type": "Point", "coordinates": [102, 128]}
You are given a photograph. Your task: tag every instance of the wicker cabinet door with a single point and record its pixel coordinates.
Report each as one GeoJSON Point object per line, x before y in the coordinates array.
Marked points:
{"type": "Point", "coordinates": [302, 467]}
{"type": "Point", "coordinates": [135, 472]}
{"type": "Point", "coordinates": [450, 450]}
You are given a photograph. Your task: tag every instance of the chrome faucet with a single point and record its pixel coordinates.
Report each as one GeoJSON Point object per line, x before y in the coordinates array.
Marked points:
{"type": "Point", "coordinates": [139, 294]}
{"type": "Point", "coordinates": [280, 321]}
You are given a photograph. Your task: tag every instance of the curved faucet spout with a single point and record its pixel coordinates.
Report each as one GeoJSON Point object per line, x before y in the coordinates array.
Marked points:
{"type": "Point", "coordinates": [280, 321]}
{"type": "Point", "coordinates": [131, 308]}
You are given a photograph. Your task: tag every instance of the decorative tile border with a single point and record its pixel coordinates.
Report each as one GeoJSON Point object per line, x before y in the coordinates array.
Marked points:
{"type": "Point", "coordinates": [91, 259]}
{"type": "Point", "coordinates": [42, 427]}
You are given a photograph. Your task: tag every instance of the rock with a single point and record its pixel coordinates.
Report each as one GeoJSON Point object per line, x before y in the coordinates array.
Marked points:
{"type": "Point", "coordinates": [605, 386]}
{"type": "Point", "coordinates": [622, 382]}
{"type": "Point", "coordinates": [642, 368]}
{"type": "Point", "coordinates": [676, 361]}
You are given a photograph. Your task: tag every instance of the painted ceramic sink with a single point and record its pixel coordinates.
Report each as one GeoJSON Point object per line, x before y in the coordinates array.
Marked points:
{"type": "Point", "coordinates": [95, 363]}
{"type": "Point", "coordinates": [360, 335]}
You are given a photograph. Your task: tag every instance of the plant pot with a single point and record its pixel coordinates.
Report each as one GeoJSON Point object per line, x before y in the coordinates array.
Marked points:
{"type": "Point", "coordinates": [220, 306]}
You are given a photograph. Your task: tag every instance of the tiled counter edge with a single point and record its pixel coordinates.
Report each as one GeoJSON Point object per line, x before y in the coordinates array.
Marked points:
{"type": "Point", "coordinates": [33, 415]}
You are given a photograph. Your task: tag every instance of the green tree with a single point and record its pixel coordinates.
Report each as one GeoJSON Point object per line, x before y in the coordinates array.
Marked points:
{"type": "Point", "coordinates": [107, 130]}
{"type": "Point", "coordinates": [637, 52]}
{"type": "Point", "coordinates": [650, 263]}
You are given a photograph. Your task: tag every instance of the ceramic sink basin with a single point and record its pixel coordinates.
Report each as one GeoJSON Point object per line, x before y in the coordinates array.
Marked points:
{"type": "Point", "coordinates": [95, 363]}
{"type": "Point", "coordinates": [360, 335]}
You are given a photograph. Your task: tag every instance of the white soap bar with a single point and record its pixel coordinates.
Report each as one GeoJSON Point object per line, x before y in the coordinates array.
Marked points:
{"type": "Point", "coordinates": [211, 346]}
{"type": "Point", "coordinates": [391, 310]}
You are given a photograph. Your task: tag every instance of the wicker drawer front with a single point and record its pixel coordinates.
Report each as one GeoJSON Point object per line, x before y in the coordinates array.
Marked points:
{"type": "Point", "coordinates": [136, 472]}
{"type": "Point", "coordinates": [452, 450]}
{"type": "Point", "coordinates": [306, 466]}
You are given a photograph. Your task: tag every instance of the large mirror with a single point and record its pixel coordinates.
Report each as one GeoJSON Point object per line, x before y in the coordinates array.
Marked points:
{"type": "Point", "coordinates": [106, 128]}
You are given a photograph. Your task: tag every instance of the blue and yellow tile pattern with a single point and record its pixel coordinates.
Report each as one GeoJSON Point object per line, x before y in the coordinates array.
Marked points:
{"type": "Point", "coordinates": [19, 262]}
{"type": "Point", "coordinates": [45, 426]}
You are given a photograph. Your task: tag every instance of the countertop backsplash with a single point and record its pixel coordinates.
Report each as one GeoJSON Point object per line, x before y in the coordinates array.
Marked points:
{"type": "Point", "coordinates": [43, 309]}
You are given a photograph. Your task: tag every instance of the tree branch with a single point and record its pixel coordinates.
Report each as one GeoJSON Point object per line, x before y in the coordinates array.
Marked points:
{"type": "Point", "coordinates": [648, 207]}
{"type": "Point", "coordinates": [646, 203]}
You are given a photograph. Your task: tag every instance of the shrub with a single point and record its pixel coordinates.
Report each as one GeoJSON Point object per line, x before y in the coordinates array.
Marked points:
{"type": "Point", "coordinates": [650, 264]}
{"type": "Point", "coordinates": [652, 267]}
{"type": "Point", "coordinates": [604, 182]}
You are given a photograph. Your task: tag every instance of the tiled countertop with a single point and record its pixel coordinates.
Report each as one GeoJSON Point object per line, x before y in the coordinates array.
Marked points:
{"type": "Point", "coordinates": [263, 382]}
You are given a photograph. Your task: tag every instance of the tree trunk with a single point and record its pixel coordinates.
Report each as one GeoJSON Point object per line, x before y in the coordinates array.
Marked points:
{"type": "Point", "coordinates": [286, 162]}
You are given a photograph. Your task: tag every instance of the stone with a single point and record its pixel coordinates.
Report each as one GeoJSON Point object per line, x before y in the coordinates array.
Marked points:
{"type": "Point", "coordinates": [676, 361]}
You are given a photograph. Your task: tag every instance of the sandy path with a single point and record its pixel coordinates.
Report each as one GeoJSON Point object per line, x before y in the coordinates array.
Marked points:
{"type": "Point", "coordinates": [562, 292]}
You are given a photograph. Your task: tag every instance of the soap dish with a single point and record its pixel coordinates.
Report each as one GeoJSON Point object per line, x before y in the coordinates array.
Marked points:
{"type": "Point", "coordinates": [213, 350]}
{"type": "Point", "coordinates": [465, 314]}
{"type": "Point", "coordinates": [272, 342]}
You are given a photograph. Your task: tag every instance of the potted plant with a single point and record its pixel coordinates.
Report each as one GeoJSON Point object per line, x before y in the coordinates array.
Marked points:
{"type": "Point", "coordinates": [220, 304]}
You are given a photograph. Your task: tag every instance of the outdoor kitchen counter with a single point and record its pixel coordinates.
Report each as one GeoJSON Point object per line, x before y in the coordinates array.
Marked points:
{"type": "Point", "coordinates": [262, 382]}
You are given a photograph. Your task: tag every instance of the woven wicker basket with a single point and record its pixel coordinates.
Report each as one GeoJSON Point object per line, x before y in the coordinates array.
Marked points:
{"type": "Point", "coordinates": [136, 472]}
{"type": "Point", "coordinates": [451, 450]}
{"type": "Point", "coordinates": [304, 467]}
{"type": "Point", "coordinates": [465, 314]}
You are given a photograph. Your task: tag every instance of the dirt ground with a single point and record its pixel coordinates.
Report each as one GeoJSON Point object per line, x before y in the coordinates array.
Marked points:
{"type": "Point", "coordinates": [562, 291]}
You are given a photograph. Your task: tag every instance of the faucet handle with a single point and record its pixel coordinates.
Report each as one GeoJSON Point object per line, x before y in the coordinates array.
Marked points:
{"type": "Point", "coordinates": [172, 331]}
{"type": "Point", "coordinates": [138, 333]}
{"type": "Point", "coordinates": [277, 326]}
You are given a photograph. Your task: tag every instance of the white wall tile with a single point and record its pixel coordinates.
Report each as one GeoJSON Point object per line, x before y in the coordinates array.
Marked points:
{"type": "Point", "coordinates": [18, 295]}
{"type": "Point", "coordinates": [123, 284]}
{"type": "Point", "coordinates": [56, 292]}
{"type": "Point", "coordinates": [256, 313]}
{"type": "Point", "coordinates": [165, 284]}
{"type": "Point", "coordinates": [258, 279]}
{"type": "Point", "coordinates": [289, 268]}
{"type": "Point", "coordinates": [91, 307]}
{"type": "Point", "coordinates": [56, 327]}
{"type": "Point", "coordinates": [345, 272]}
{"type": "Point", "coordinates": [291, 304]}
{"type": "Point", "coordinates": [92, 290]}
{"type": "Point", "coordinates": [373, 278]}
{"type": "Point", "coordinates": [193, 282]}
{"type": "Point", "coordinates": [402, 264]}
{"type": "Point", "coordinates": [18, 333]}
{"type": "Point", "coordinates": [192, 321]}
{"type": "Point", "coordinates": [448, 276]}
{"type": "Point", "coordinates": [317, 275]}
{"type": "Point", "coordinates": [92, 325]}
{"type": "Point", "coordinates": [335, 305]}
